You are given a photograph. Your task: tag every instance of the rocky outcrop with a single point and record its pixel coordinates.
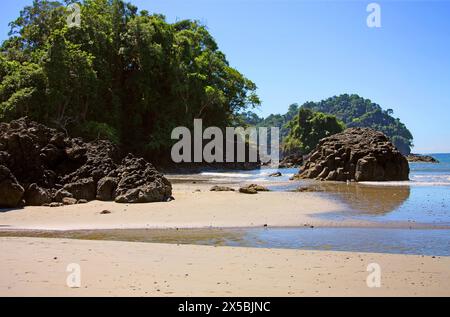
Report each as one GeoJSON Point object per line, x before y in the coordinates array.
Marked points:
{"type": "Point", "coordinates": [42, 167]}
{"type": "Point", "coordinates": [11, 192]}
{"type": "Point", "coordinates": [357, 154]}
{"type": "Point", "coordinates": [37, 196]}
{"type": "Point", "coordinates": [417, 158]}
{"type": "Point", "coordinates": [291, 161]}
{"type": "Point", "coordinates": [140, 182]}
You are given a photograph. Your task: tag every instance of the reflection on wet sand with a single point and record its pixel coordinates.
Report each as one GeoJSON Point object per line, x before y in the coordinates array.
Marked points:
{"type": "Point", "coordinates": [367, 199]}
{"type": "Point", "coordinates": [217, 237]}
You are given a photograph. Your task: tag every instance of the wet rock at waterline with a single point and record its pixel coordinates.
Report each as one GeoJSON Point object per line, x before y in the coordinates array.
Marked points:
{"type": "Point", "coordinates": [357, 154]}
{"type": "Point", "coordinates": [253, 189]}
{"type": "Point", "coordinates": [40, 166]}
{"type": "Point", "coordinates": [417, 158]}
{"type": "Point", "coordinates": [221, 189]}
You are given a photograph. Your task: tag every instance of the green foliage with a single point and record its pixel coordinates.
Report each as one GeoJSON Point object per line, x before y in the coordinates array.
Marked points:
{"type": "Point", "coordinates": [273, 120]}
{"type": "Point", "coordinates": [126, 75]}
{"type": "Point", "coordinates": [97, 130]}
{"type": "Point", "coordinates": [308, 128]}
{"type": "Point", "coordinates": [356, 111]}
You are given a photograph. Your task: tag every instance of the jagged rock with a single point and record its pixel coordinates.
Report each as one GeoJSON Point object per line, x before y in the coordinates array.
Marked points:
{"type": "Point", "coordinates": [82, 189]}
{"type": "Point", "coordinates": [45, 160]}
{"type": "Point", "coordinates": [140, 182]}
{"type": "Point", "coordinates": [421, 158]}
{"type": "Point", "coordinates": [37, 196]}
{"type": "Point", "coordinates": [106, 188]}
{"type": "Point", "coordinates": [61, 194]}
{"type": "Point", "coordinates": [221, 189]}
{"type": "Point", "coordinates": [277, 174]}
{"type": "Point", "coordinates": [291, 161]}
{"type": "Point", "coordinates": [11, 192]}
{"type": "Point", "coordinates": [359, 154]}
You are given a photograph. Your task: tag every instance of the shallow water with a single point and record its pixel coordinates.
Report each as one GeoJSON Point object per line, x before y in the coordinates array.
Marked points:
{"type": "Point", "coordinates": [423, 199]}
{"type": "Point", "coordinates": [374, 240]}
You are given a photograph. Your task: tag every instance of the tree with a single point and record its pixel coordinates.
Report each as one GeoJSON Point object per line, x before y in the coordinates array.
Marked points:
{"type": "Point", "coordinates": [308, 128]}
{"type": "Point", "coordinates": [123, 74]}
{"type": "Point", "coordinates": [356, 111]}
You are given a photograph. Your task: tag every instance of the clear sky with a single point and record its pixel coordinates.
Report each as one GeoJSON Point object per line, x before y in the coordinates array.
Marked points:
{"type": "Point", "coordinates": [300, 50]}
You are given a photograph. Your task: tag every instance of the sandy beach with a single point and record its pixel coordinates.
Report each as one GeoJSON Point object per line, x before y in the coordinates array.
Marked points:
{"type": "Point", "coordinates": [37, 267]}
{"type": "Point", "coordinates": [191, 209]}
{"type": "Point", "coordinates": [195, 207]}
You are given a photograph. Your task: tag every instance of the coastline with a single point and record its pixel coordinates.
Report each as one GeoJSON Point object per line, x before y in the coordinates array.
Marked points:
{"type": "Point", "coordinates": [36, 266]}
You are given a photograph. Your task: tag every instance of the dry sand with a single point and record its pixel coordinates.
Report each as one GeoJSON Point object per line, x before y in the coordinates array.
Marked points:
{"type": "Point", "coordinates": [37, 267]}
{"type": "Point", "coordinates": [190, 210]}
{"type": "Point", "coordinates": [195, 207]}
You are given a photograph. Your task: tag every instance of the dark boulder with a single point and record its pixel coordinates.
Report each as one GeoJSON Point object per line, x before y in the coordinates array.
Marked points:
{"type": "Point", "coordinates": [106, 188]}
{"type": "Point", "coordinates": [253, 189]}
{"type": "Point", "coordinates": [291, 161]}
{"type": "Point", "coordinates": [11, 192]}
{"type": "Point", "coordinates": [61, 194]}
{"type": "Point", "coordinates": [357, 154]}
{"type": "Point", "coordinates": [276, 174]}
{"type": "Point", "coordinates": [421, 158]}
{"type": "Point", "coordinates": [82, 189]}
{"type": "Point", "coordinates": [37, 196]}
{"type": "Point", "coordinates": [140, 182]}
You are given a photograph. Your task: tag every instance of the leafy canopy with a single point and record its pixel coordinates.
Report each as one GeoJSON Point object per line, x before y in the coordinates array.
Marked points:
{"type": "Point", "coordinates": [308, 128]}
{"type": "Point", "coordinates": [126, 75]}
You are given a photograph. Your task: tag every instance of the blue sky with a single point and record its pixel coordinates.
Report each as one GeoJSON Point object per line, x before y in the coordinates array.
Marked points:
{"type": "Point", "coordinates": [298, 50]}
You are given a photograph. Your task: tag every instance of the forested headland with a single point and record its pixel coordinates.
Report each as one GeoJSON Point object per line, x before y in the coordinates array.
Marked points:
{"type": "Point", "coordinates": [125, 75]}
{"type": "Point", "coordinates": [303, 126]}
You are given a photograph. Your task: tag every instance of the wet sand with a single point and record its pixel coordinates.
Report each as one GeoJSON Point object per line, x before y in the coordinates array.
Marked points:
{"type": "Point", "coordinates": [37, 267]}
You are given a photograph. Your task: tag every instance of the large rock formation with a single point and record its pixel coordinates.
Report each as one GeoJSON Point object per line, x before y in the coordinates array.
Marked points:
{"type": "Point", "coordinates": [39, 165]}
{"type": "Point", "coordinates": [359, 154]}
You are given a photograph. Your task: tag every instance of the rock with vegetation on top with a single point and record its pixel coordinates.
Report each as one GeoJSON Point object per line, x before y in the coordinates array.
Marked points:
{"type": "Point", "coordinates": [357, 154]}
